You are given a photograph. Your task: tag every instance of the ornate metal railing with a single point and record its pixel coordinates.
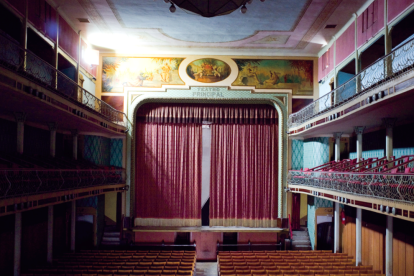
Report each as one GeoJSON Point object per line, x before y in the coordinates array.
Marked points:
{"type": "Point", "coordinates": [391, 186]}
{"type": "Point", "coordinates": [383, 70]}
{"type": "Point", "coordinates": [30, 66]}
{"type": "Point", "coordinates": [15, 183]}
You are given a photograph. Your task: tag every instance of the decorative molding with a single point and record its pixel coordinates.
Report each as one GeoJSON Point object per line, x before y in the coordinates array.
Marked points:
{"type": "Point", "coordinates": [20, 116]}
{"type": "Point", "coordinates": [318, 23]}
{"type": "Point", "coordinates": [116, 13]}
{"type": "Point", "coordinates": [52, 126]}
{"type": "Point", "coordinates": [359, 129]}
{"type": "Point", "coordinates": [134, 96]}
{"type": "Point", "coordinates": [174, 95]}
{"type": "Point", "coordinates": [337, 135]}
{"type": "Point", "coordinates": [388, 122]}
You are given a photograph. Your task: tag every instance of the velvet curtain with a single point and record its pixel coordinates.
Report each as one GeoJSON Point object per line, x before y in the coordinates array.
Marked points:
{"type": "Point", "coordinates": [168, 175]}
{"type": "Point", "coordinates": [244, 189]}
{"type": "Point", "coordinates": [295, 211]}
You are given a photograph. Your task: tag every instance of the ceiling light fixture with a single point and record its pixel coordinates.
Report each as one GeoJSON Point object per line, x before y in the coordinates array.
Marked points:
{"type": "Point", "coordinates": [211, 8]}
{"type": "Point", "coordinates": [172, 8]}
{"type": "Point", "coordinates": [243, 9]}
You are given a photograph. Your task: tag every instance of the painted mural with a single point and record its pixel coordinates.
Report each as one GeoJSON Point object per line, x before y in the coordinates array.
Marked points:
{"type": "Point", "coordinates": [120, 72]}
{"type": "Point", "coordinates": [208, 70]}
{"type": "Point", "coordinates": [276, 73]}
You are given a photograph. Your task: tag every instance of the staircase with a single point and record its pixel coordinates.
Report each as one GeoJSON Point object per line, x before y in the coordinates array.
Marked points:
{"type": "Point", "coordinates": [300, 239]}
{"type": "Point", "coordinates": [111, 236]}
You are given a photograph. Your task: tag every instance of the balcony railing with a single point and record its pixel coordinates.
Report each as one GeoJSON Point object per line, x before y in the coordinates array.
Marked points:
{"type": "Point", "coordinates": [30, 66]}
{"type": "Point", "coordinates": [15, 183]}
{"type": "Point", "coordinates": [390, 186]}
{"type": "Point", "coordinates": [383, 70]}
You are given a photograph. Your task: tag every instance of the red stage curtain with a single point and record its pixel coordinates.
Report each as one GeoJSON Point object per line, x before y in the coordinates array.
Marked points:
{"type": "Point", "coordinates": [168, 174]}
{"type": "Point", "coordinates": [295, 211]}
{"type": "Point", "coordinates": [244, 169]}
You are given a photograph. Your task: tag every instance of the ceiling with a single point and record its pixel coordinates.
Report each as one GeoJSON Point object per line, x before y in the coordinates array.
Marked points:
{"type": "Point", "coordinates": [271, 28]}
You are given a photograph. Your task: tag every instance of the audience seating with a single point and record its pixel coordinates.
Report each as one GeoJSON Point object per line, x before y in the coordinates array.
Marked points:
{"type": "Point", "coordinates": [120, 263]}
{"type": "Point", "coordinates": [289, 263]}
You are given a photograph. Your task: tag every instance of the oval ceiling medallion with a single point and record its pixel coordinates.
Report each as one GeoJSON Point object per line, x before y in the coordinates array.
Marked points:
{"type": "Point", "coordinates": [208, 70]}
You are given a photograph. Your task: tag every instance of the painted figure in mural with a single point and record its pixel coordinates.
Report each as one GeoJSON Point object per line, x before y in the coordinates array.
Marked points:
{"type": "Point", "coordinates": [165, 74]}
{"type": "Point", "coordinates": [139, 80]}
{"type": "Point", "coordinates": [248, 71]}
{"type": "Point", "coordinates": [274, 78]}
{"type": "Point", "coordinates": [216, 70]}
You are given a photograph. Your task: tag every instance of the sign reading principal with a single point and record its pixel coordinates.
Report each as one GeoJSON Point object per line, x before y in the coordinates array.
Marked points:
{"type": "Point", "coordinates": [207, 92]}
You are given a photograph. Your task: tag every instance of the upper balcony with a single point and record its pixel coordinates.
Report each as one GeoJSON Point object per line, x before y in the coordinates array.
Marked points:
{"type": "Point", "coordinates": [32, 85]}
{"type": "Point", "coordinates": [385, 82]}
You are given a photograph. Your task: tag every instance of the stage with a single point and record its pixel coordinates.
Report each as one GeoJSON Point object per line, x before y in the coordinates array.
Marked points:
{"type": "Point", "coordinates": [207, 229]}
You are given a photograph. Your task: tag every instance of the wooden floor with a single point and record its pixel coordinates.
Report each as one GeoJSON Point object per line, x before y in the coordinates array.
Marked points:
{"type": "Point", "coordinates": [205, 229]}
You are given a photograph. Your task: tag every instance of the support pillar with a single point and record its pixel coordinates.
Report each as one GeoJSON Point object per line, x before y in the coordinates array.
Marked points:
{"type": "Point", "coordinates": [56, 52]}
{"type": "Point", "coordinates": [336, 228]}
{"type": "Point", "coordinates": [359, 130]}
{"type": "Point", "coordinates": [358, 235]}
{"type": "Point", "coordinates": [20, 119]}
{"type": "Point", "coordinates": [17, 243]}
{"type": "Point", "coordinates": [52, 128]}
{"type": "Point", "coordinates": [389, 125]}
{"type": "Point", "coordinates": [49, 234]}
{"type": "Point", "coordinates": [388, 245]}
{"type": "Point", "coordinates": [72, 226]}
{"type": "Point", "coordinates": [337, 136]}
{"type": "Point", "coordinates": [75, 135]}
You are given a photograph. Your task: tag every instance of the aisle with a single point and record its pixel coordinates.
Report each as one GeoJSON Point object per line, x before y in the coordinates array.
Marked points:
{"type": "Point", "coordinates": [206, 269]}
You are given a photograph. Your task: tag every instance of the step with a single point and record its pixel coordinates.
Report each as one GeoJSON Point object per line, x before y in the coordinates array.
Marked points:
{"type": "Point", "coordinates": [111, 234]}
{"type": "Point", "coordinates": [301, 242]}
{"type": "Point", "coordinates": [300, 233]}
{"type": "Point", "coordinates": [110, 243]}
{"type": "Point", "coordinates": [111, 239]}
{"type": "Point", "coordinates": [301, 247]}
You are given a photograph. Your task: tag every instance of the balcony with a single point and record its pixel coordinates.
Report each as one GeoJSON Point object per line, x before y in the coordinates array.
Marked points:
{"type": "Point", "coordinates": [29, 66]}
{"type": "Point", "coordinates": [366, 88]}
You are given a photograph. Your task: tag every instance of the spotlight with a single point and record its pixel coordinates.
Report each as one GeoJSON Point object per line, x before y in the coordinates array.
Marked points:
{"type": "Point", "coordinates": [172, 8]}
{"type": "Point", "coordinates": [243, 10]}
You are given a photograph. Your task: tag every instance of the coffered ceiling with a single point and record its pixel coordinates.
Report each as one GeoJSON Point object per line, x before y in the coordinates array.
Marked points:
{"type": "Point", "coordinates": [271, 28]}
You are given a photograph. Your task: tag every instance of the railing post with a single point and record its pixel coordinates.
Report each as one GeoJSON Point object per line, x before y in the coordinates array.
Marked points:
{"type": "Point", "coordinates": [389, 125]}
{"type": "Point", "coordinates": [336, 228]}
{"type": "Point", "coordinates": [17, 243]}
{"type": "Point", "coordinates": [359, 130]}
{"type": "Point", "coordinates": [52, 128]}
{"type": "Point", "coordinates": [358, 235]}
{"type": "Point", "coordinates": [75, 134]}
{"type": "Point", "coordinates": [337, 136]}
{"type": "Point", "coordinates": [20, 119]}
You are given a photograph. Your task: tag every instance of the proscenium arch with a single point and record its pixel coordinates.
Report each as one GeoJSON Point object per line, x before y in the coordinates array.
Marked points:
{"type": "Point", "coordinates": [136, 98]}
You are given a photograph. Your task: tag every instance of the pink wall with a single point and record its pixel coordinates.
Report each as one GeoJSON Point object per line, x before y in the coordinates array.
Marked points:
{"type": "Point", "coordinates": [396, 7]}
{"type": "Point", "coordinates": [269, 237]}
{"type": "Point", "coordinates": [206, 244]}
{"type": "Point", "coordinates": [345, 44]}
{"type": "Point", "coordinates": [323, 71]}
{"type": "Point", "coordinates": [154, 237]}
{"type": "Point", "coordinates": [370, 22]}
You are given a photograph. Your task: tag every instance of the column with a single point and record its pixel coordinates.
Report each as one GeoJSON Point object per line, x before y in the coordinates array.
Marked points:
{"type": "Point", "coordinates": [72, 226]}
{"type": "Point", "coordinates": [336, 228]}
{"type": "Point", "coordinates": [23, 37]}
{"type": "Point", "coordinates": [388, 245]}
{"type": "Point", "coordinates": [75, 135]}
{"type": "Point", "coordinates": [52, 128]}
{"type": "Point", "coordinates": [358, 235]}
{"type": "Point", "coordinates": [337, 136]}
{"type": "Point", "coordinates": [56, 51]}
{"type": "Point", "coordinates": [49, 234]}
{"type": "Point", "coordinates": [20, 119]}
{"type": "Point", "coordinates": [359, 130]}
{"type": "Point", "coordinates": [389, 125]}
{"type": "Point", "coordinates": [17, 243]}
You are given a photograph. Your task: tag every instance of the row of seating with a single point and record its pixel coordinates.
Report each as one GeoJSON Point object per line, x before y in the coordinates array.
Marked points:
{"type": "Point", "coordinates": [120, 262]}
{"type": "Point", "coordinates": [290, 263]}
